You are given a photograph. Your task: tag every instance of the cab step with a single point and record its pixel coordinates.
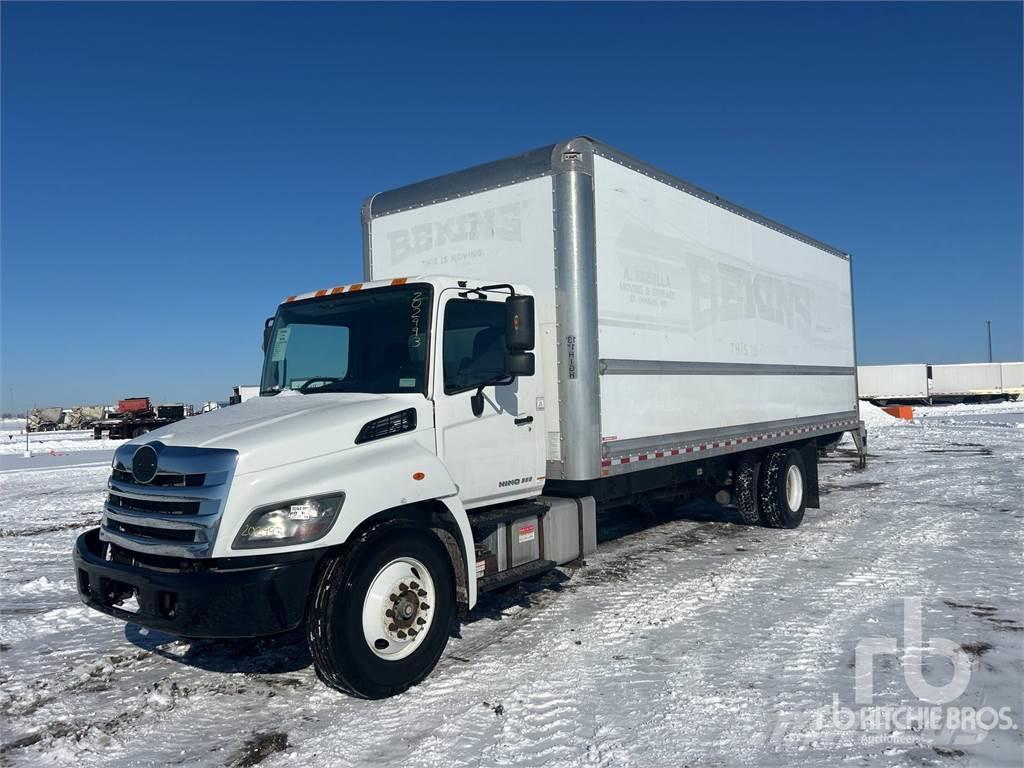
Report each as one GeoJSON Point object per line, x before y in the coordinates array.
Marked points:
{"type": "Point", "coordinates": [512, 575]}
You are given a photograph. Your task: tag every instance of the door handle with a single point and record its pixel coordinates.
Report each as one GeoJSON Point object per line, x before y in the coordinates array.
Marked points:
{"type": "Point", "coordinates": [524, 420]}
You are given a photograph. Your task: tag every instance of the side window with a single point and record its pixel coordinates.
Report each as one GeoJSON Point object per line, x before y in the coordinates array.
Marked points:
{"type": "Point", "coordinates": [474, 343]}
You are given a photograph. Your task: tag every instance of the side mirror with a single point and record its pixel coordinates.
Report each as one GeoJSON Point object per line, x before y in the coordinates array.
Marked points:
{"type": "Point", "coordinates": [519, 363]}
{"type": "Point", "coordinates": [268, 324]}
{"type": "Point", "coordinates": [519, 325]}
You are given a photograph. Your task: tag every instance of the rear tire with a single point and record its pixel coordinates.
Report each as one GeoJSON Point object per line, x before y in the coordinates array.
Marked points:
{"type": "Point", "coordinates": [783, 489]}
{"type": "Point", "coordinates": [354, 647]}
{"type": "Point", "coordinates": [745, 488]}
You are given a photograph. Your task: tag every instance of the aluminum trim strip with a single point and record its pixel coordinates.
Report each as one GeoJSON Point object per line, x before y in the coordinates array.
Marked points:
{"type": "Point", "coordinates": [700, 440]}
{"type": "Point", "coordinates": [617, 367]}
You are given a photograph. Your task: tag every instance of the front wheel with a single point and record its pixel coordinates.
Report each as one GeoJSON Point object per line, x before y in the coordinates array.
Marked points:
{"type": "Point", "coordinates": [380, 614]}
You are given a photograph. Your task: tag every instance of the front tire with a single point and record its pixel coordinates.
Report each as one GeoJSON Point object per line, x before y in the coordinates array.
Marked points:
{"type": "Point", "coordinates": [782, 491]}
{"type": "Point", "coordinates": [380, 614]}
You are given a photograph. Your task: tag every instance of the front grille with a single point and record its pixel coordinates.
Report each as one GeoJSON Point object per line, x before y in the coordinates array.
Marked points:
{"type": "Point", "coordinates": [146, 532]}
{"type": "Point", "coordinates": [176, 514]}
{"type": "Point", "coordinates": [176, 507]}
{"type": "Point", "coordinates": [163, 479]}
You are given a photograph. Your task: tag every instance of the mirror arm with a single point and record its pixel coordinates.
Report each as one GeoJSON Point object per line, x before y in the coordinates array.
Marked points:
{"type": "Point", "coordinates": [477, 401]}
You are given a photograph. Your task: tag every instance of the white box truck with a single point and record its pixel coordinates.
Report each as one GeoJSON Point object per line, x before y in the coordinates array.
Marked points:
{"type": "Point", "coordinates": [535, 338]}
{"type": "Point", "coordinates": [883, 384]}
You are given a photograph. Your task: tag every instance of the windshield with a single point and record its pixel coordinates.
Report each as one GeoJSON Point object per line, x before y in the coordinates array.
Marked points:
{"type": "Point", "coordinates": [370, 341]}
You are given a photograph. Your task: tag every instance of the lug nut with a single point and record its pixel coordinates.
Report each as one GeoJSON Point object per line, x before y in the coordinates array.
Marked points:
{"type": "Point", "coordinates": [413, 585]}
{"type": "Point", "coordinates": [403, 587]}
{"type": "Point", "coordinates": [422, 593]}
{"type": "Point", "coordinates": [394, 598]}
{"type": "Point", "coordinates": [392, 627]}
{"type": "Point", "coordinates": [412, 632]}
{"type": "Point", "coordinates": [389, 613]}
{"type": "Point", "coordinates": [401, 635]}
{"type": "Point", "coordinates": [421, 621]}
{"type": "Point", "coordinates": [424, 606]}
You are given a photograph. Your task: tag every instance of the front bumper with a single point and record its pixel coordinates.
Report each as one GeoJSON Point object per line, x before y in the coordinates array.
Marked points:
{"type": "Point", "coordinates": [215, 598]}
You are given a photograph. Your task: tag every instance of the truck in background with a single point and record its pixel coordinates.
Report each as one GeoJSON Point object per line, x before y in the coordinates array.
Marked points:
{"type": "Point", "coordinates": [136, 417]}
{"type": "Point", "coordinates": [535, 338]}
{"type": "Point", "coordinates": [84, 416]}
{"type": "Point", "coordinates": [46, 419]}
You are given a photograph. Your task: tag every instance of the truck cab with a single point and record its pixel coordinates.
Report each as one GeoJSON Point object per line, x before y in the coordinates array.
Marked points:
{"type": "Point", "coordinates": [389, 412]}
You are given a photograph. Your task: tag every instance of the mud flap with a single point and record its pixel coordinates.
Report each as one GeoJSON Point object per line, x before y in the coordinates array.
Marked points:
{"type": "Point", "coordinates": [860, 440]}
{"type": "Point", "coordinates": [809, 453]}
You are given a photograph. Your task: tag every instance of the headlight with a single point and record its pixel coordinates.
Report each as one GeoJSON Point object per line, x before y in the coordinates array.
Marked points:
{"type": "Point", "coordinates": [293, 522]}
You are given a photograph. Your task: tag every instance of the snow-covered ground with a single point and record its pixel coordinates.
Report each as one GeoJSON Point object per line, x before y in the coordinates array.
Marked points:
{"type": "Point", "coordinates": [693, 641]}
{"type": "Point", "coordinates": [12, 441]}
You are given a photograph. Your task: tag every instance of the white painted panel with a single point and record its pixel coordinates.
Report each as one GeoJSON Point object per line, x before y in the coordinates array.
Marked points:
{"type": "Point", "coordinates": [893, 382]}
{"type": "Point", "coordinates": [680, 279]}
{"type": "Point", "coordinates": [504, 235]}
{"type": "Point", "coordinates": [661, 405]}
{"type": "Point", "coordinates": [968, 378]}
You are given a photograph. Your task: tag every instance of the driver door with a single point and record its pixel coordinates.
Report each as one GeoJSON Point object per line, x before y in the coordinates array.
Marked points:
{"type": "Point", "coordinates": [498, 455]}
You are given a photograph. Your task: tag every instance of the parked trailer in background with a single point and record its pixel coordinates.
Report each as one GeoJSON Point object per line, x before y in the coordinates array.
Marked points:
{"type": "Point", "coordinates": [1012, 377]}
{"type": "Point", "coordinates": [882, 384]}
{"type": "Point", "coordinates": [965, 382]}
{"type": "Point", "coordinates": [44, 419]}
{"type": "Point", "coordinates": [136, 417]}
{"type": "Point", "coordinates": [243, 392]}
{"type": "Point", "coordinates": [535, 338]}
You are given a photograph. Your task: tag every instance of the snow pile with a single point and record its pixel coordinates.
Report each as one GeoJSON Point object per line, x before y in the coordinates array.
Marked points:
{"type": "Point", "coordinates": [873, 416]}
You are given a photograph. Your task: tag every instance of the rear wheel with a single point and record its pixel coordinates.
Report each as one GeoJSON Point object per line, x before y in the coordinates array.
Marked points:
{"type": "Point", "coordinates": [380, 614]}
{"type": "Point", "coordinates": [782, 489]}
{"type": "Point", "coordinates": [745, 488]}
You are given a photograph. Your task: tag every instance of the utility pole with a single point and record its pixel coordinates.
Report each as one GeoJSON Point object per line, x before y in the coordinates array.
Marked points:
{"type": "Point", "coordinates": [988, 325]}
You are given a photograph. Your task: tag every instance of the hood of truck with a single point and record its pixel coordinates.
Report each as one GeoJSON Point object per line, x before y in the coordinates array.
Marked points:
{"type": "Point", "coordinates": [289, 427]}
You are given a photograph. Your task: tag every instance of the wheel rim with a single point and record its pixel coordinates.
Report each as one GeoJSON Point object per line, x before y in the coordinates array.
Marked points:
{"type": "Point", "coordinates": [794, 488]}
{"type": "Point", "coordinates": [398, 609]}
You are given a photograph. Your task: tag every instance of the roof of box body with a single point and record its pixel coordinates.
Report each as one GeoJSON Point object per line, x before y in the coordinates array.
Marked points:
{"type": "Point", "coordinates": [547, 160]}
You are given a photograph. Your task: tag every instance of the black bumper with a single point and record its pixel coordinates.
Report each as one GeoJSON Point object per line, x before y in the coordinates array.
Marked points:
{"type": "Point", "coordinates": [229, 597]}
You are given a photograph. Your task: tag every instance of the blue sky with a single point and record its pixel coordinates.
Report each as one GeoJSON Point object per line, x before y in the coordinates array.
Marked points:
{"type": "Point", "coordinates": [170, 172]}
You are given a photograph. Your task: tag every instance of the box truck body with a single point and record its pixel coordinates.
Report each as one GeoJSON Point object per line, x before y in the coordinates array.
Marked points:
{"type": "Point", "coordinates": [679, 325]}
{"type": "Point", "coordinates": [534, 338]}
{"type": "Point", "coordinates": [907, 382]}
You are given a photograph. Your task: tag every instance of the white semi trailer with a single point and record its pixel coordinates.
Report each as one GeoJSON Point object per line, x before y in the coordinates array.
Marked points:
{"type": "Point", "coordinates": [904, 383]}
{"type": "Point", "coordinates": [1012, 377]}
{"type": "Point", "coordinates": [535, 338]}
{"type": "Point", "coordinates": [966, 381]}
